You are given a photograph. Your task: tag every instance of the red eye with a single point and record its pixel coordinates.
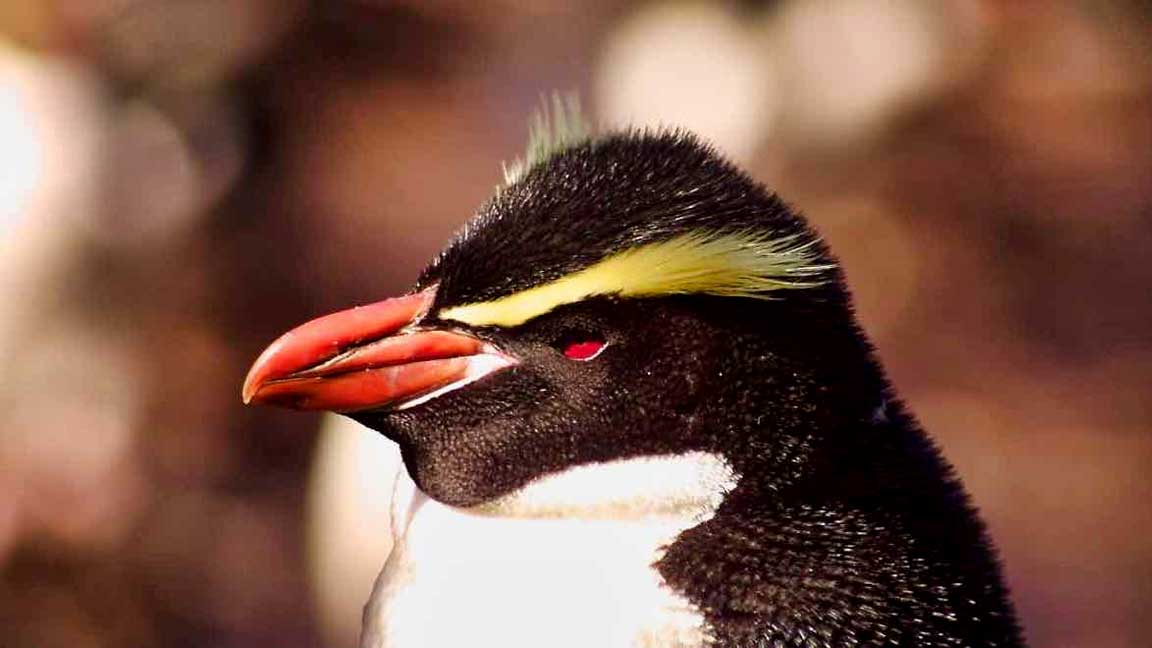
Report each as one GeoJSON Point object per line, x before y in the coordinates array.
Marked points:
{"type": "Point", "coordinates": [584, 349]}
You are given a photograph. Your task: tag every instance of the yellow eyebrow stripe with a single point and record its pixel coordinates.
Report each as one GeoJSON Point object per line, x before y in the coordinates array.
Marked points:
{"type": "Point", "coordinates": [733, 264]}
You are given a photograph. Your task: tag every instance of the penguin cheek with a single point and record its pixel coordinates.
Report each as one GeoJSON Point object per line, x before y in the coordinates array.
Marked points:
{"type": "Point", "coordinates": [474, 468]}
{"type": "Point", "coordinates": [463, 478]}
{"type": "Point", "coordinates": [483, 441]}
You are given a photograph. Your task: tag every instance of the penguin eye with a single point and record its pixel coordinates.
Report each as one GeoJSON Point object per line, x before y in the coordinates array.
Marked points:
{"type": "Point", "coordinates": [584, 350]}
{"type": "Point", "coordinates": [581, 346]}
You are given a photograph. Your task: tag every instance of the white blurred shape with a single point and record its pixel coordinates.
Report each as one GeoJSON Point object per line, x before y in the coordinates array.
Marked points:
{"type": "Point", "coordinates": [22, 156]}
{"type": "Point", "coordinates": [847, 65]}
{"type": "Point", "coordinates": [156, 179]}
{"type": "Point", "coordinates": [690, 65]}
{"type": "Point", "coordinates": [349, 524]}
{"type": "Point", "coordinates": [49, 184]}
{"type": "Point", "coordinates": [48, 127]}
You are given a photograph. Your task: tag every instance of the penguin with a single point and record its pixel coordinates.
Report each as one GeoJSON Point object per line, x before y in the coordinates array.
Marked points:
{"type": "Point", "coordinates": [635, 408]}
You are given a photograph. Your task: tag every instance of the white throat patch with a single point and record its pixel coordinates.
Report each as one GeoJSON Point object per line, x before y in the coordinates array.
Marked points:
{"type": "Point", "coordinates": [566, 561]}
{"type": "Point", "coordinates": [688, 485]}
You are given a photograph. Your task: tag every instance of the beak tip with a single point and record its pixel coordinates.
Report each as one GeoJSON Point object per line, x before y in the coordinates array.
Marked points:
{"type": "Point", "coordinates": [252, 384]}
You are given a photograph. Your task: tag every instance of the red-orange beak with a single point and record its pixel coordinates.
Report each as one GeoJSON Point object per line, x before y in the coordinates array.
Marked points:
{"type": "Point", "coordinates": [366, 358]}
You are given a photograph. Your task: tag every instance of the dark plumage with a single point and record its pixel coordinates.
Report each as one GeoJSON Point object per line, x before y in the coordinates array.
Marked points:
{"type": "Point", "coordinates": [846, 527]}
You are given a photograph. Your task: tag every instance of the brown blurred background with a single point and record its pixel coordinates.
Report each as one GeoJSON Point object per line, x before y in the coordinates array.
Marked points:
{"type": "Point", "coordinates": [181, 180]}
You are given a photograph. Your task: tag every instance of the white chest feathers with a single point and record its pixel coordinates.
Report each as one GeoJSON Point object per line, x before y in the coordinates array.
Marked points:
{"type": "Point", "coordinates": [566, 561]}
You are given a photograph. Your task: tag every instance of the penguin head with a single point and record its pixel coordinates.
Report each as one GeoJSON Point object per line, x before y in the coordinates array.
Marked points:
{"type": "Point", "coordinates": [627, 296]}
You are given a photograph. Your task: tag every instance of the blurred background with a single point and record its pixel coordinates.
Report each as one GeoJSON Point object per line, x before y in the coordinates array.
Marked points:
{"type": "Point", "coordinates": [182, 180]}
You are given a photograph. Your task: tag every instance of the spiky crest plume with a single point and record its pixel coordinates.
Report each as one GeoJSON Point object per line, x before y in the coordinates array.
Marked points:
{"type": "Point", "coordinates": [556, 126]}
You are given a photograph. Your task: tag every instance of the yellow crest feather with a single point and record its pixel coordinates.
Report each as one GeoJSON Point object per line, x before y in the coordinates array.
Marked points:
{"type": "Point", "coordinates": [732, 264]}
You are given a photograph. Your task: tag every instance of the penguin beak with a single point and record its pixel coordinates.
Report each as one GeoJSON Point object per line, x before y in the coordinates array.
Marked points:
{"type": "Point", "coordinates": [369, 357]}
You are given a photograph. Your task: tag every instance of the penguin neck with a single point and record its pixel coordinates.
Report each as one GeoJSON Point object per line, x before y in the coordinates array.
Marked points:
{"type": "Point", "coordinates": [884, 467]}
{"type": "Point", "coordinates": [876, 512]}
